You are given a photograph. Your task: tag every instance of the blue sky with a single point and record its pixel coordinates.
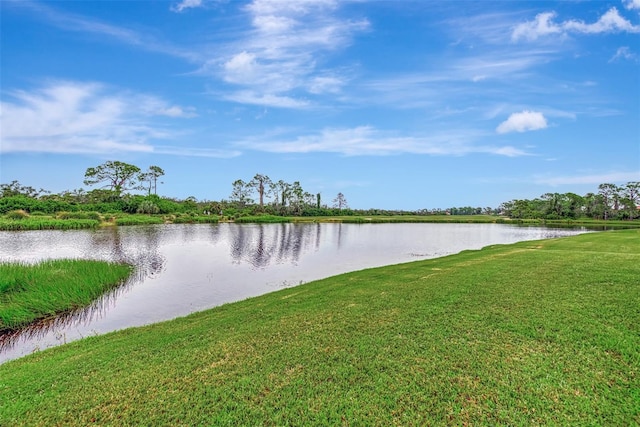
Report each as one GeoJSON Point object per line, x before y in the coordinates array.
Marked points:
{"type": "Point", "coordinates": [396, 104]}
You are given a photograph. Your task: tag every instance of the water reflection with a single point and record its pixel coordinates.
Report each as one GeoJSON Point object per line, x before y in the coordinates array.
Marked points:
{"type": "Point", "coordinates": [180, 269]}
{"type": "Point", "coordinates": [264, 244]}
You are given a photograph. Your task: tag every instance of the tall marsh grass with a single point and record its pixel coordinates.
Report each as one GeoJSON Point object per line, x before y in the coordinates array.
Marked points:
{"type": "Point", "coordinates": [43, 223]}
{"type": "Point", "coordinates": [32, 292]}
{"type": "Point", "coordinates": [195, 219]}
{"type": "Point", "coordinates": [139, 220]}
{"type": "Point", "coordinates": [263, 219]}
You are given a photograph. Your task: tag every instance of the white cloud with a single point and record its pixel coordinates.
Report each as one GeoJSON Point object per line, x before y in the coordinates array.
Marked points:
{"type": "Point", "coordinates": [241, 68]}
{"type": "Point", "coordinates": [78, 23]}
{"type": "Point", "coordinates": [266, 99]}
{"type": "Point", "coordinates": [624, 53]}
{"type": "Point", "coordinates": [610, 22]}
{"type": "Point", "coordinates": [368, 141]}
{"type": "Point", "coordinates": [74, 117]}
{"type": "Point", "coordinates": [325, 84]}
{"type": "Point", "coordinates": [543, 25]}
{"type": "Point", "coordinates": [522, 122]}
{"type": "Point", "coordinates": [280, 53]}
{"type": "Point", "coordinates": [631, 4]}
{"type": "Point", "coordinates": [613, 177]}
{"type": "Point", "coordinates": [186, 4]}
{"type": "Point", "coordinates": [539, 27]}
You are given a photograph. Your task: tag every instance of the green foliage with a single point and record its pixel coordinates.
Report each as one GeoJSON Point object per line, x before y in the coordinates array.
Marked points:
{"type": "Point", "coordinates": [32, 292]}
{"type": "Point", "coordinates": [611, 202]}
{"type": "Point", "coordinates": [263, 219]}
{"type": "Point", "coordinates": [80, 215]}
{"type": "Point", "coordinates": [30, 204]}
{"type": "Point", "coordinates": [14, 188]}
{"type": "Point", "coordinates": [138, 220]}
{"type": "Point", "coordinates": [17, 214]}
{"type": "Point", "coordinates": [118, 176]}
{"type": "Point", "coordinates": [195, 219]}
{"type": "Point", "coordinates": [147, 207]}
{"type": "Point", "coordinates": [47, 224]}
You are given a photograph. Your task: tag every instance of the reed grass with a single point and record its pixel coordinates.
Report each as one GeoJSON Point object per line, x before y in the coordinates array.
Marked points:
{"type": "Point", "coordinates": [31, 292]}
{"type": "Point", "coordinates": [188, 219]}
{"type": "Point", "coordinates": [139, 220]}
{"type": "Point", "coordinates": [44, 223]}
{"type": "Point", "coordinates": [534, 333]}
{"type": "Point", "coordinates": [263, 219]}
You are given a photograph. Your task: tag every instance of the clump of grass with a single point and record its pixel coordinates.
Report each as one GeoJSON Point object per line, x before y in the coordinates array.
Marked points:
{"type": "Point", "coordinates": [40, 223]}
{"type": "Point", "coordinates": [263, 219]}
{"type": "Point", "coordinates": [79, 215]}
{"type": "Point", "coordinates": [17, 214]}
{"type": "Point", "coordinates": [32, 292]}
{"type": "Point", "coordinates": [139, 220]}
{"type": "Point", "coordinates": [195, 219]}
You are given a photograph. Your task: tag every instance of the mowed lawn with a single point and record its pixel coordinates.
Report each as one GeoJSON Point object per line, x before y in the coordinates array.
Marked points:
{"type": "Point", "coordinates": [535, 333]}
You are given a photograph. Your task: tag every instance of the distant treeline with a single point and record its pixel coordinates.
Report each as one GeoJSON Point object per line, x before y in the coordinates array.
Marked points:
{"type": "Point", "coordinates": [610, 202]}
{"type": "Point", "coordinates": [263, 196]}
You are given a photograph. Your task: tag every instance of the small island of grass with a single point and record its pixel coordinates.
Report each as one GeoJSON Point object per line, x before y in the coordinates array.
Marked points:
{"type": "Point", "coordinates": [32, 292]}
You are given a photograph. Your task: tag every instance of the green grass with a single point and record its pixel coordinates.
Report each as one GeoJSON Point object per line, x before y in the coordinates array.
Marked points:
{"type": "Point", "coordinates": [138, 220]}
{"type": "Point", "coordinates": [44, 223]}
{"type": "Point", "coordinates": [478, 219]}
{"type": "Point", "coordinates": [535, 333]}
{"type": "Point", "coordinates": [33, 292]}
{"type": "Point", "coordinates": [263, 219]}
{"type": "Point", "coordinates": [195, 219]}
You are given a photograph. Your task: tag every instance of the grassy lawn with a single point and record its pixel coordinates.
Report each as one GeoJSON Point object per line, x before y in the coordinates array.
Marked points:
{"type": "Point", "coordinates": [535, 333]}
{"type": "Point", "coordinates": [34, 292]}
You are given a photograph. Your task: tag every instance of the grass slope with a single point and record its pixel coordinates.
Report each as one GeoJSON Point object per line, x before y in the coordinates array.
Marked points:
{"type": "Point", "coordinates": [34, 292]}
{"type": "Point", "coordinates": [533, 333]}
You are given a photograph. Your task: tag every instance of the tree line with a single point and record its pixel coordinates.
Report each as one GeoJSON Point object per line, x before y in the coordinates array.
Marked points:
{"type": "Point", "coordinates": [115, 182]}
{"type": "Point", "coordinates": [610, 202]}
{"type": "Point", "coordinates": [282, 198]}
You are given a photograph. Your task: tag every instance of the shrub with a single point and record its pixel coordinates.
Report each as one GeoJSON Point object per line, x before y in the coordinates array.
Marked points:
{"type": "Point", "coordinates": [147, 207]}
{"type": "Point", "coordinates": [138, 220]}
{"type": "Point", "coordinates": [79, 215]}
{"type": "Point", "coordinates": [17, 214]}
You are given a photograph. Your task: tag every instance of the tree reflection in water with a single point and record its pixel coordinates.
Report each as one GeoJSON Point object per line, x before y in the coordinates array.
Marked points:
{"type": "Point", "coordinates": [263, 244]}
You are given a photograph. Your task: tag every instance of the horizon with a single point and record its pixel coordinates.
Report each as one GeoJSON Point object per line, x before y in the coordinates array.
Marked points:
{"type": "Point", "coordinates": [398, 105]}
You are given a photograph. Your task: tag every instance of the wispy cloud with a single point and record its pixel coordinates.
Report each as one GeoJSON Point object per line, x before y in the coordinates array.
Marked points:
{"type": "Point", "coordinates": [611, 177]}
{"type": "Point", "coordinates": [186, 4]}
{"type": "Point", "coordinates": [368, 141]}
{"type": "Point", "coordinates": [79, 117]}
{"type": "Point", "coordinates": [544, 25]}
{"type": "Point", "coordinates": [275, 63]}
{"type": "Point", "coordinates": [78, 23]}
{"type": "Point", "coordinates": [624, 53]}
{"type": "Point", "coordinates": [523, 122]}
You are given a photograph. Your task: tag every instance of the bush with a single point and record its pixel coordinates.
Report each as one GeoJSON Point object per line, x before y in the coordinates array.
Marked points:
{"type": "Point", "coordinates": [17, 214]}
{"type": "Point", "coordinates": [79, 215]}
{"type": "Point", "coordinates": [147, 207]}
{"type": "Point", "coordinates": [138, 220]}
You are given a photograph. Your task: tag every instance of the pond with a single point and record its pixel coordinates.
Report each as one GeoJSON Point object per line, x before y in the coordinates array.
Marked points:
{"type": "Point", "coordinates": [181, 269]}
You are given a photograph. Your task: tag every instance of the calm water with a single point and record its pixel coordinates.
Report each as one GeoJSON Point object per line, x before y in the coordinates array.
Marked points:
{"type": "Point", "coordinates": [181, 269]}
